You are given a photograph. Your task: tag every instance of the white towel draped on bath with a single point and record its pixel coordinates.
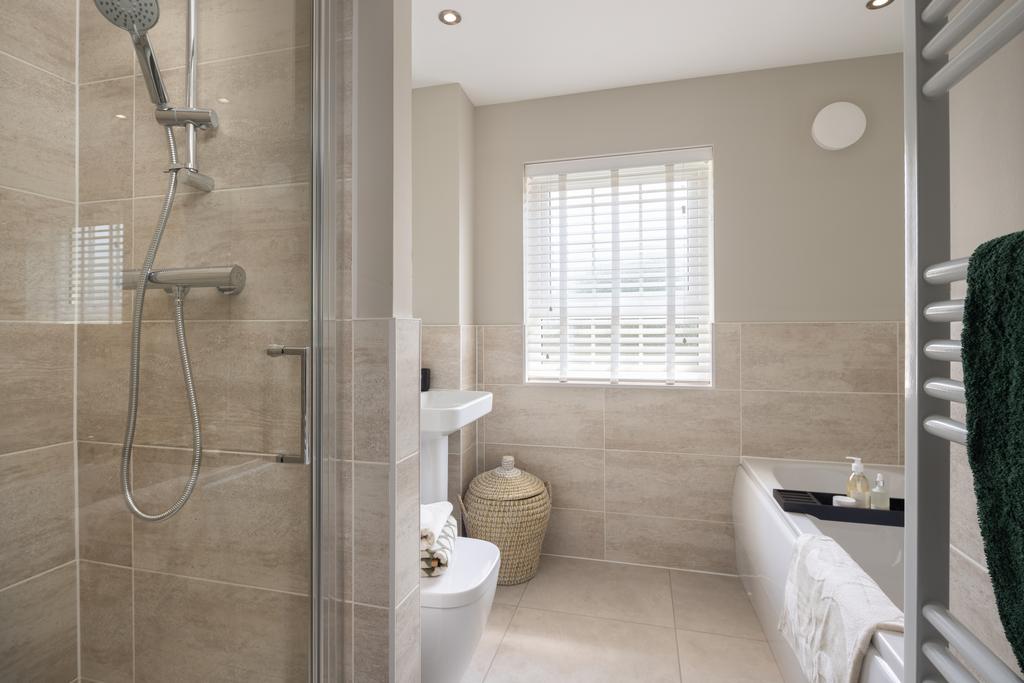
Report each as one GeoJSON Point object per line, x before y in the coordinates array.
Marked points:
{"type": "Point", "coordinates": [831, 611]}
{"type": "Point", "coordinates": [432, 520]}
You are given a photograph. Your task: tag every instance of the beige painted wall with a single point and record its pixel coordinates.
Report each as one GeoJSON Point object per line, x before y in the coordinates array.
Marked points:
{"type": "Point", "coordinates": [801, 234]}
{"type": "Point", "coordinates": [987, 171]}
{"type": "Point", "coordinates": [442, 201]}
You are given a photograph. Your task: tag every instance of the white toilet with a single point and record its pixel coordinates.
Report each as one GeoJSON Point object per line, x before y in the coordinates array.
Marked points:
{"type": "Point", "coordinates": [454, 609]}
{"type": "Point", "coordinates": [454, 606]}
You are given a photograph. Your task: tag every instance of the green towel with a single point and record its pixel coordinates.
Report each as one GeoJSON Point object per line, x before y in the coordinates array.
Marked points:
{"type": "Point", "coordinates": [993, 361]}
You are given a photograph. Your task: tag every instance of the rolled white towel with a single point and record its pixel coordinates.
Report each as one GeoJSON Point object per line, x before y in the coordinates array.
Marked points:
{"type": "Point", "coordinates": [438, 558]}
{"type": "Point", "coordinates": [432, 521]}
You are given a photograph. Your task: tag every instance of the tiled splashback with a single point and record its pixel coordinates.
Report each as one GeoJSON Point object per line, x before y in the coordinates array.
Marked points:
{"type": "Point", "coordinates": [644, 474]}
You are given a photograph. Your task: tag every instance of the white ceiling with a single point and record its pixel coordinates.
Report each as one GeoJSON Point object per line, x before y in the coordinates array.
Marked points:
{"type": "Point", "coordinates": [508, 50]}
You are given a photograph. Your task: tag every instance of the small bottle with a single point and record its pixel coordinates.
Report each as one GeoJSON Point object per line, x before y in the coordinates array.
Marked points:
{"type": "Point", "coordinates": [879, 494]}
{"type": "Point", "coordinates": [857, 486]}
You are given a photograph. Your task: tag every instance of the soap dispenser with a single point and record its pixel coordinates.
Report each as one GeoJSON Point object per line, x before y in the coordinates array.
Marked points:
{"type": "Point", "coordinates": [857, 486]}
{"type": "Point", "coordinates": [879, 494]}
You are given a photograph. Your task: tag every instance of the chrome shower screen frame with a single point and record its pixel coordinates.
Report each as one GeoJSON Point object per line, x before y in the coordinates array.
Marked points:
{"type": "Point", "coordinates": [324, 627]}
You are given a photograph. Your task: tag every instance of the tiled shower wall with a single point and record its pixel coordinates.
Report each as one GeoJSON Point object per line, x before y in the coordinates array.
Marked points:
{"type": "Point", "coordinates": [38, 568]}
{"type": "Point", "coordinates": [644, 475]}
{"type": "Point", "coordinates": [231, 569]}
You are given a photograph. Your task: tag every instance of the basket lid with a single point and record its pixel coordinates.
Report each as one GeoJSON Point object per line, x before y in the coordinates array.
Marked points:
{"type": "Point", "coordinates": [506, 482]}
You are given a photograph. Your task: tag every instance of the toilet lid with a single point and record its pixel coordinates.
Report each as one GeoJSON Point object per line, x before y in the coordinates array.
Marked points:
{"type": "Point", "coordinates": [474, 562]}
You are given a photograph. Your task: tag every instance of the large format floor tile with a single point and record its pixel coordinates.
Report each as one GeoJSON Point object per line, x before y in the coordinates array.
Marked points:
{"type": "Point", "coordinates": [601, 589]}
{"type": "Point", "coordinates": [550, 647]}
{"type": "Point", "coordinates": [712, 603]}
{"type": "Point", "coordinates": [704, 658]}
{"type": "Point", "coordinates": [497, 624]}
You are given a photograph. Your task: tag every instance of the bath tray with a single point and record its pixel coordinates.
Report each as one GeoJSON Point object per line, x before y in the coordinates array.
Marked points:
{"type": "Point", "coordinates": [820, 505]}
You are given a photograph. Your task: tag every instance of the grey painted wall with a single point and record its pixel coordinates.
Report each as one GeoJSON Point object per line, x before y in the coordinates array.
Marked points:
{"type": "Point", "coordinates": [801, 234]}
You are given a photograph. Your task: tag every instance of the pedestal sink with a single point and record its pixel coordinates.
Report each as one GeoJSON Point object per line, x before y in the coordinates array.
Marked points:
{"type": "Point", "coordinates": [443, 412]}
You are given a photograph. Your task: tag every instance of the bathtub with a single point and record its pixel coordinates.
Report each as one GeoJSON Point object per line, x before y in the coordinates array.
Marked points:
{"type": "Point", "coordinates": [764, 541]}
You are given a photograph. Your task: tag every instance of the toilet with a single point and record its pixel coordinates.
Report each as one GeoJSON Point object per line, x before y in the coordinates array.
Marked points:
{"type": "Point", "coordinates": [454, 609]}
{"type": "Point", "coordinates": [454, 606]}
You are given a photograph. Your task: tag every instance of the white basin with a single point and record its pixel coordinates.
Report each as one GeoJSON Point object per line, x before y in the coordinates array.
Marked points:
{"type": "Point", "coordinates": [445, 411]}
{"type": "Point", "coordinates": [441, 413]}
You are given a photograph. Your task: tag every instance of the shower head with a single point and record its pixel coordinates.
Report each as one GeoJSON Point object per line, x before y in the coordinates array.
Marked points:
{"type": "Point", "coordinates": [137, 17]}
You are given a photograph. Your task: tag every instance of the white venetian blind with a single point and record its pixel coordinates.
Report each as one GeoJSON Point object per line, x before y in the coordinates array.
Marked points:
{"type": "Point", "coordinates": [618, 261]}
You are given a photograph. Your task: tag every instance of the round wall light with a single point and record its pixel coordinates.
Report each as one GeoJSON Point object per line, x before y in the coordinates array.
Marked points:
{"type": "Point", "coordinates": [449, 17]}
{"type": "Point", "coordinates": [839, 125]}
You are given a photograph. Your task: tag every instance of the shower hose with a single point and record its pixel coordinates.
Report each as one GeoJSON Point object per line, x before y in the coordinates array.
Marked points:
{"type": "Point", "coordinates": [186, 365]}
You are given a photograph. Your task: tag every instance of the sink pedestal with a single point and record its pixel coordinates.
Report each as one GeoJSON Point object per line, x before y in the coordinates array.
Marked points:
{"type": "Point", "coordinates": [433, 467]}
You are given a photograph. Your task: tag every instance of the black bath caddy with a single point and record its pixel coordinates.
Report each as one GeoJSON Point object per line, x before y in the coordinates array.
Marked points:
{"type": "Point", "coordinates": [820, 505]}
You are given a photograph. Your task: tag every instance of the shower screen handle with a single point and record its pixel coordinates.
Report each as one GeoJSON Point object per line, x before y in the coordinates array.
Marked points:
{"type": "Point", "coordinates": [305, 400]}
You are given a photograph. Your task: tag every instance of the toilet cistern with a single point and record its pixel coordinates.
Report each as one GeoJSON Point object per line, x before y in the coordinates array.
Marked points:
{"type": "Point", "coordinates": [443, 412]}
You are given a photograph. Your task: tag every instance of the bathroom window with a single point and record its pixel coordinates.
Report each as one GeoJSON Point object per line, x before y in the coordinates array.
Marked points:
{"type": "Point", "coordinates": [618, 269]}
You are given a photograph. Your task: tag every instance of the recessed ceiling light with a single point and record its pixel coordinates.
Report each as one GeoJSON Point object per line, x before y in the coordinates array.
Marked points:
{"type": "Point", "coordinates": [223, 100]}
{"type": "Point", "coordinates": [449, 17]}
{"type": "Point", "coordinates": [120, 116]}
{"type": "Point", "coordinates": [879, 4]}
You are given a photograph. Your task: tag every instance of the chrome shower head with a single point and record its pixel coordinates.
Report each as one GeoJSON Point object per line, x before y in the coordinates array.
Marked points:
{"type": "Point", "coordinates": [137, 17]}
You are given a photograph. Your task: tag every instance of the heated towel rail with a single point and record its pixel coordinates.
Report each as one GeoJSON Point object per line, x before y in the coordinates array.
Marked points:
{"type": "Point", "coordinates": [935, 60]}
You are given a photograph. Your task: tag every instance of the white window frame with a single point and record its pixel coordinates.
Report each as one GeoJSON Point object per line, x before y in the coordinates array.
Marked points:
{"type": "Point", "coordinates": [607, 163]}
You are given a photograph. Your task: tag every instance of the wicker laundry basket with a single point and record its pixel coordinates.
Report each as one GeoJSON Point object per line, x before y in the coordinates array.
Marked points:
{"type": "Point", "coordinates": [510, 508]}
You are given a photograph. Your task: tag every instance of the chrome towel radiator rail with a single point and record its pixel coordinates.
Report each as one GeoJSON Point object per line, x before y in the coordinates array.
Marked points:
{"type": "Point", "coordinates": [930, 71]}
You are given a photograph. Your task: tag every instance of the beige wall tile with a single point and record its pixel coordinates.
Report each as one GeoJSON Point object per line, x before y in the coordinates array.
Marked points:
{"type": "Point", "coordinates": [345, 511]}
{"type": "Point", "coordinates": [104, 51]}
{"type": "Point", "coordinates": [267, 546]}
{"type": "Point", "coordinates": [370, 635]}
{"type": "Point", "coordinates": [964, 531]}
{"type": "Point", "coordinates": [108, 225]}
{"type": "Point", "coordinates": [547, 647]}
{"type": "Point", "coordinates": [37, 505]}
{"type": "Point", "coordinates": [469, 460]}
{"type": "Point", "coordinates": [972, 600]}
{"type": "Point", "coordinates": [407, 640]}
{"type": "Point", "coordinates": [469, 357]}
{"type": "Point", "coordinates": [407, 525]}
{"type": "Point", "coordinates": [576, 475]}
{"type": "Point", "coordinates": [669, 485]}
{"type": "Point", "coordinates": [344, 398]}
{"type": "Point", "coordinates": [728, 357]}
{"type": "Point", "coordinates": [855, 357]}
{"type": "Point", "coordinates": [38, 137]}
{"type": "Point", "coordinates": [36, 362]}
{"type": "Point", "coordinates": [370, 390]}
{"type": "Point", "coordinates": [258, 635]}
{"type": "Point", "coordinates": [547, 415]}
{"type": "Point", "coordinates": [264, 129]}
{"type": "Point", "coordinates": [34, 278]}
{"type": "Point", "coordinates": [104, 523]}
{"type": "Point", "coordinates": [407, 387]}
{"type": "Point", "coordinates": [441, 354]}
{"type": "Point", "coordinates": [265, 230]}
{"type": "Point", "coordinates": [232, 28]}
{"type": "Point", "coordinates": [38, 632]}
{"type": "Point", "coordinates": [106, 618]}
{"type": "Point", "coordinates": [575, 533]}
{"type": "Point", "coordinates": [673, 420]}
{"type": "Point", "coordinates": [371, 535]}
{"type": "Point", "coordinates": [105, 140]}
{"type": "Point", "coordinates": [42, 33]}
{"type": "Point", "coordinates": [601, 589]}
{"type": "Point", "coordinates": [666, 542]}
{"type": "Point", "coordinates": [249, 400]}
{"type": "Point", "coordinates": [709, 657]}
{"type": "Point", "coordinates": [820, 426]}
{"type": "Point", "coordinates": [502, 354]}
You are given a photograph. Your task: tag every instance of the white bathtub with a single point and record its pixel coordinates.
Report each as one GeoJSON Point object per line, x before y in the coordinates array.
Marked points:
{"type": "Point", "coordinates": [764, 542]}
